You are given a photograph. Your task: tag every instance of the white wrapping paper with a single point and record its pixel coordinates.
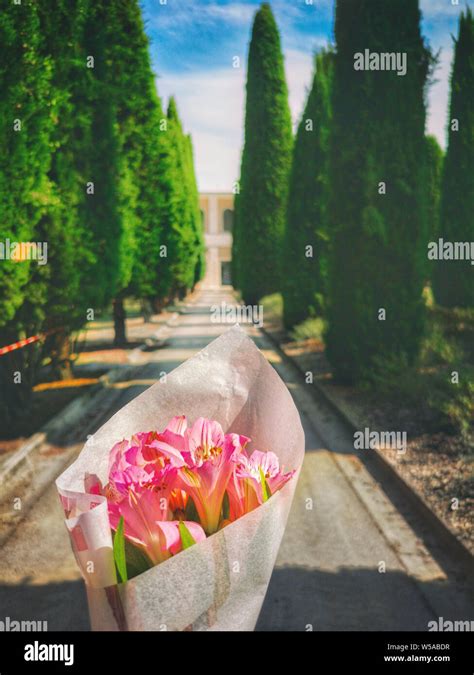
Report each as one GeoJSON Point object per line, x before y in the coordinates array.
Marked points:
{"type": "Point", "coordinates": [220, 583]}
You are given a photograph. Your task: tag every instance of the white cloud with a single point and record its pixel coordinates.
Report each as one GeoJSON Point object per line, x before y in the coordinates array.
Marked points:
{"type": "Point", "coordinates": [234, 13]}
{"type": "Point", "coordinates": [169, 17]}
{"type": "Point", "coordinates": [211, 106]}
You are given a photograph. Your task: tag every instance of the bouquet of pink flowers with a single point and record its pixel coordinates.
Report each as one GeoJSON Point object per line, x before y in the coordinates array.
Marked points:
{"type": "Point", "coordinates": [167, 491]}
{"type": "Point", "coordinates": [179, 529]}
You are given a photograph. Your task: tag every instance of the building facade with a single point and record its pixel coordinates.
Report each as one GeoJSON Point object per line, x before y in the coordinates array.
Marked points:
{"type": "Point", "coordinates": [217, 213]}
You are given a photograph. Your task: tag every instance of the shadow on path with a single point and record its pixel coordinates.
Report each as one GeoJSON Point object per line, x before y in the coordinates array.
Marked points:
{"type": "Point", "coordinates": [63, 605]}
{"type": "Point", "coordinates": [350, 599]}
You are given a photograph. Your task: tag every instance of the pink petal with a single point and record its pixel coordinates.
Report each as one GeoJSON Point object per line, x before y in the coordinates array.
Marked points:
{"type": "Point", "coordinates": [169, 444]}
{"type": "Point", "coordinates": [178, 425]}
{"type": "Point", "coordinates": [204, 434]}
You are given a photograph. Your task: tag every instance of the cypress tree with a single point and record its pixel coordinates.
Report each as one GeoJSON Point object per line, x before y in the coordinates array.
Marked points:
{"type": "Point", "coordinates": [26, 125]}
{"type": "Point", "coordinates": [130, 77]}
{"type": "Point", "coordinates": [100, 167]}
{"type": "Point", "coordinates": [434, 169]}
{"type": "Point", "coordinates": [454, 279]}
{"type": "Point", "coordinates": [151, 203]}
{"type": "Point", "coordinates": [176, 272]}
{"type": "Point", "coordinates": [198, 262]}
{"type": "Point", "coordinates": [266, 160]}
{"type": "Point", "coordinates": [152, 176]}
{"type": "Point", "coordinates": [61, 225]}
{"type": "Point", "coordinates": [306, 234]}
{"type": "Point", "coordinates": [377, 207]}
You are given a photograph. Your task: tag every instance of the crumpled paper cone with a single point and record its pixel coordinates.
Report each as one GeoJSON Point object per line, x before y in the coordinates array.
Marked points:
{"type": "Point", "coordinates": [220, 583]}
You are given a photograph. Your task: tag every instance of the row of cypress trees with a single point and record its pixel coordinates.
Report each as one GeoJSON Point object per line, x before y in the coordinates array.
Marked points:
{"type": "Point", "coordinates": [365, 190]}
{"type": "Point", "coordinates": [94, 167]}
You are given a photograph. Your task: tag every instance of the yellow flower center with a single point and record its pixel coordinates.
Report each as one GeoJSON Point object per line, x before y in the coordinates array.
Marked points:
{"type": "Point", "coordinates": [204, 453]}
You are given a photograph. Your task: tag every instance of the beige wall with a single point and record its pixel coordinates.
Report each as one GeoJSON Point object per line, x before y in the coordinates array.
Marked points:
{"type": "Point", "coordinates": [218, 241]}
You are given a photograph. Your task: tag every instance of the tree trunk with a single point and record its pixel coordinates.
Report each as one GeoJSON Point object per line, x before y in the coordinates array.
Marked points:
{"type": "Point", "coordinates": [158, 304]}
{"type": "Point", "coordinates": [61, 356]}
{"type": "Point", "coordinates": [146, 311]}
{"type": "Point", "coordinates": [120, 338]}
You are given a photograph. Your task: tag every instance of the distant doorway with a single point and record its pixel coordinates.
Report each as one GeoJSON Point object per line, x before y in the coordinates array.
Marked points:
{"type": "Point", "coordinates": [226, 273]}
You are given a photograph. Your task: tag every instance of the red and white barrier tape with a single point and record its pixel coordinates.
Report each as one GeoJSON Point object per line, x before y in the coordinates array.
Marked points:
{"type": "Point", "coordinates": [25, 342]}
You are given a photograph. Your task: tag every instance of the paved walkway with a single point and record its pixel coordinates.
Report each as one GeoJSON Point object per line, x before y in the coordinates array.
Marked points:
{"type": "Point", "coordinates": [351, 562]}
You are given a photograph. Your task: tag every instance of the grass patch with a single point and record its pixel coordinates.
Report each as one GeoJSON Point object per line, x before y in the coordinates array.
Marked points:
{"type": "Point", "coordinates": [310, 329]}
{"type": "Point", "coordinates": [272, 308]}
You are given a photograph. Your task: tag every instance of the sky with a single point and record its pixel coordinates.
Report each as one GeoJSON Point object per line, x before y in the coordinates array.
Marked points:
{"type": "Point", "coordinates": [197, 44]}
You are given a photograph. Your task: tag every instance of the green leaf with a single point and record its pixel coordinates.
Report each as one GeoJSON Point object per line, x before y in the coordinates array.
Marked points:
{"type": "Point", "coordinates": [191, 511]}
{"type": "Point", "coordinates": [225, 507]}
{"type": "Point", "coordinates": [137, 560]}
{"type": "Point", "coordinates": [119, 552]}
{"type": "Point", "coordinates": [267, 493]}
{"type": "Point", "coordinates": [187, 538]}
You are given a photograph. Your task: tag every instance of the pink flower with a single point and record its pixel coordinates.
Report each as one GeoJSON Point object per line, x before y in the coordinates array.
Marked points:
{"type": "Point", "coordinates": [255, 479]}
{"type": "Point", "coordinates": [137, 464]}
{"type": "Point", "coordinates": [158, 539]}
{"type": "Point", "coordinates": [147, 512]}
{"type": "Point", "coordinates": [162, 448]}
{"type": "Point", "coordinates": [208, 454]}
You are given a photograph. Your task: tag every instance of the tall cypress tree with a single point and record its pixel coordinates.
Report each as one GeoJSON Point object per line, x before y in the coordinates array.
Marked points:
{"type": "Point", "coordinates": [176, 271]}
{"type": "Point", "coordinates": [454, 279]}
{"type": "Point", "coordinates": [266, 160]}
{"type": "Point", "coordinates": [377, 211]}
{"type": "Point", "coordinates": [152, 203]}
{"type": "Point", "coordinates": [306, 233]}
{"type": "Point", "coordinates": [100, 166]}
{"type": "Point", "coordinates": [434, 170]}
{"type": "Point", "coordinates": [61, 225]}
{"type": "Point", "coordinates": [198, 261]}
{"type": "Point", "coordinates": [26, 127]}
{"type": "Point", "coordinates": [130, 78]}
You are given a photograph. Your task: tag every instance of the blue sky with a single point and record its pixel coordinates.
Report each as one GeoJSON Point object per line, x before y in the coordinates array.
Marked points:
{"type": "Point", "coordinates": [194, 44]}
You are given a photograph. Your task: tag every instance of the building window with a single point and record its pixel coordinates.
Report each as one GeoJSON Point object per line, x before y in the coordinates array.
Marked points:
{"type": "Point", "coordinates": [226, 273]}
{"type": "Point", "coordinates": [228, 220]}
